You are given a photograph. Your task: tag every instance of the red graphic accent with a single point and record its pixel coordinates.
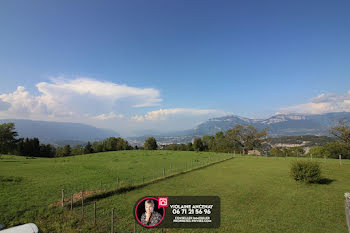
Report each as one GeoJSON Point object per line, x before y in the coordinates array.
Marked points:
{"type": "Point", "coordinates": [163, 202]}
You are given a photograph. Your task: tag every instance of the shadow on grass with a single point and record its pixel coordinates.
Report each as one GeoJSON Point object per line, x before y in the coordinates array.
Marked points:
{"type": "Point", "coordinates": [325, 181]}
{"type": "Point", "coordinates": [10, 161]}
{"type": "Point", "coordinates": [10, 179]}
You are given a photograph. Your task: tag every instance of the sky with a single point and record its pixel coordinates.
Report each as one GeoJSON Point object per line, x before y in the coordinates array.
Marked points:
{"type": "Point", "coordinates": [168, 65]}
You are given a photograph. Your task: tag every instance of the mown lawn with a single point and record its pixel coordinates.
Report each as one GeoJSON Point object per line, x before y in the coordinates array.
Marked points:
{"type": "Point", "coordinates": [257, 195]}
{"type": "Point", "coordinates": [27, 185]}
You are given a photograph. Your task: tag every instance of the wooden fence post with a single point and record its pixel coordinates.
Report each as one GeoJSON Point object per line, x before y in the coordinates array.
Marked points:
{"type": "Point", "coordinates": [340, 163]}
{"type": "Point", "coordinates": [95, 213]}
{"type": "Point", "coordinates": [62, 197]}
{"type": "Point", "coordinates": [347, 210]}
{"type": "Point", "coordinates": [71, 203]}
{"type": "Point", "coordinates": [82, 202]}
{"type": "Point", "coordinates": [112, 221]}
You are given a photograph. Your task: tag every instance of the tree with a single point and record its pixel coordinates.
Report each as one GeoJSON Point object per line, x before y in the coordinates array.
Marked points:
{"type": "Point", "coordinates": [111, 144]}
{"type": "Point", "coordinates": [150, 144]}
{"type": "Point", "coordinates": [96, 147]}
{"type": "Point", "coordinates": [88, 148]}
{"type": "Point", "coordinates": [318, 151]}
{"type": "Point", "coordinates": [67, 150]}
{"type": "Point", "coordinates": [36, 147]}
{"type": "Point", "coordinates": [275, 151]}
{"type": "Point", "coordinates": [220, 143]}
{"type": "Point", "coordinates": [7, 138]}
{"type": "Point", "coordinates": [171, 147]}
{"type": "Point", "coordinates": [29, 147]}
{"type": "Point", "coordinates": [342, 132]}
{"type": "Point", "coordinates": [265, 148]}
{"type": "Point", "coordinates": [64, 151]}
{"type": "Point", "coordinates": [20, 147]}
{"type": "Point", "coordinates": [78, 150]}
{"type": "Point", "coordinates": [247, 137]}
{"type": "Point", "coordinates": [198, 144]}
{"type": "Point", "coordinates": [295, 151]}
{"type": "Point", "coordinates": [285, 152]}
{"type": "Point", "coordinates": [189, 146]}
{"type": "Point", "coordinates": [334, 149]}
{"type": "Point", "coordinates": [47, 150]}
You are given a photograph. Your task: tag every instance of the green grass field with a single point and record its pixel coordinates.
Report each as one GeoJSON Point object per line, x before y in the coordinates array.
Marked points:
{"type": "Point", "coordinates": [257, 194]}
{"type": "Point", "coordinates": [28, 184]}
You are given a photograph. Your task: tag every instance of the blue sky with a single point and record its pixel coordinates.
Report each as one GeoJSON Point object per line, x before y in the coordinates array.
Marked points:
{"type": "Point", "coordinates": [191, 59]}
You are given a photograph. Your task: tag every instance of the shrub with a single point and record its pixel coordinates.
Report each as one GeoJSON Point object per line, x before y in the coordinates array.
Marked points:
{"type": "Point", "coordinates": [306, 171]}
{"type": "Point", "coordinates": [150, 144]}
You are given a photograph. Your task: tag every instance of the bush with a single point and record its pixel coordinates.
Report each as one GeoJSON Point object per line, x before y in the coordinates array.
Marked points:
{"type": "Point", "coordinates": [306, 171]}
{"type": "Point", "coordinates": [150, 144]}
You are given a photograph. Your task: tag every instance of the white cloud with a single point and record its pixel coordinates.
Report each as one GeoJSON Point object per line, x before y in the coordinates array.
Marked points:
{"type": "Point", "coordinates": [163, 114]}
{"type": "Point", "coordinates": [84, 86]}
{"type": "Point", "coordinates": [62, 98]}
{"type": "Point", "coordinates": [102, 104]}
{"type": "Point", "coordinates": [137, 118]}
{"type": "Point", "coordinates": [323, 103]}
{"type": "Point", "coordinates": [21, 103]}
{"type": "Point", "coordinates": [109, 116]}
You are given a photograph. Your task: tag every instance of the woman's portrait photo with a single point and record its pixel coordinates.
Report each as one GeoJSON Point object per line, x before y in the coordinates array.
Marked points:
{"type": "Point", "coordinates": [147, 212]}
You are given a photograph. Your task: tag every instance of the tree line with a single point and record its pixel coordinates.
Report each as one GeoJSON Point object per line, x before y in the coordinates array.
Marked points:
{"type": "Point", "coordinates": [32, 147]}
{"type": "Point", "coordinates": [239, 139]}
{"type": "Point", "coordinates": [340, 145]}
{"type": "Point", "coordinates": [243, 138]}
{"type": "Point", "coordinates": [329, 150]}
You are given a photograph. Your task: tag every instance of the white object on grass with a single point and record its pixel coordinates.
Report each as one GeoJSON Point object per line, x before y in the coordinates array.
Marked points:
{"type": "Point", "coordinates": [26, 228]}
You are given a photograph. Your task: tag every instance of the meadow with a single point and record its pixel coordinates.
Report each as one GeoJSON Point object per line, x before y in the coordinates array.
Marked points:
{"type": "Point", "coordinates": [27, 184]}
{"type": "Point", "coordinates": [257, 194]}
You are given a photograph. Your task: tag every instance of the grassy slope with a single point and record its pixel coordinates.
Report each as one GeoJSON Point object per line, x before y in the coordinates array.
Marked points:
{"type": "Point", "coordinates": [38, 182]}
{"type": "Point", "coordinates": [257, 195]}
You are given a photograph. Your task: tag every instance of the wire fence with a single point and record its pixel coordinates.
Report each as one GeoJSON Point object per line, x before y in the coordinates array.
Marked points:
{"type": "Point", "coordinates": [129, 181]}
{"type": "Point", "coordinates": [82, 206]}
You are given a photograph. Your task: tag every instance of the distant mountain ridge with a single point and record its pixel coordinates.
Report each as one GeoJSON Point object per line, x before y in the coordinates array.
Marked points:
{"type": "Point", "coordinates": [278, 125]}
{"type": "Point", "coordinates": [59, 132]}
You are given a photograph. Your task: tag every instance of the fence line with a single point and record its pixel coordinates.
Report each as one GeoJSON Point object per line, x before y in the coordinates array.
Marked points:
{"type": "Point", "coordinates": [131, 182]}
{"type": "Point", "coordinates": [111, 225]}
{"type": "Point", "coordinates": [347, 209]}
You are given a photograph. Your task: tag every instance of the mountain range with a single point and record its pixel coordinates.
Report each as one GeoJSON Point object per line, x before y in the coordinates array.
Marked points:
{"type": "Point", "coordinates": [60, 133]}
{"type": "Point", "coordinates": [278, 125]}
